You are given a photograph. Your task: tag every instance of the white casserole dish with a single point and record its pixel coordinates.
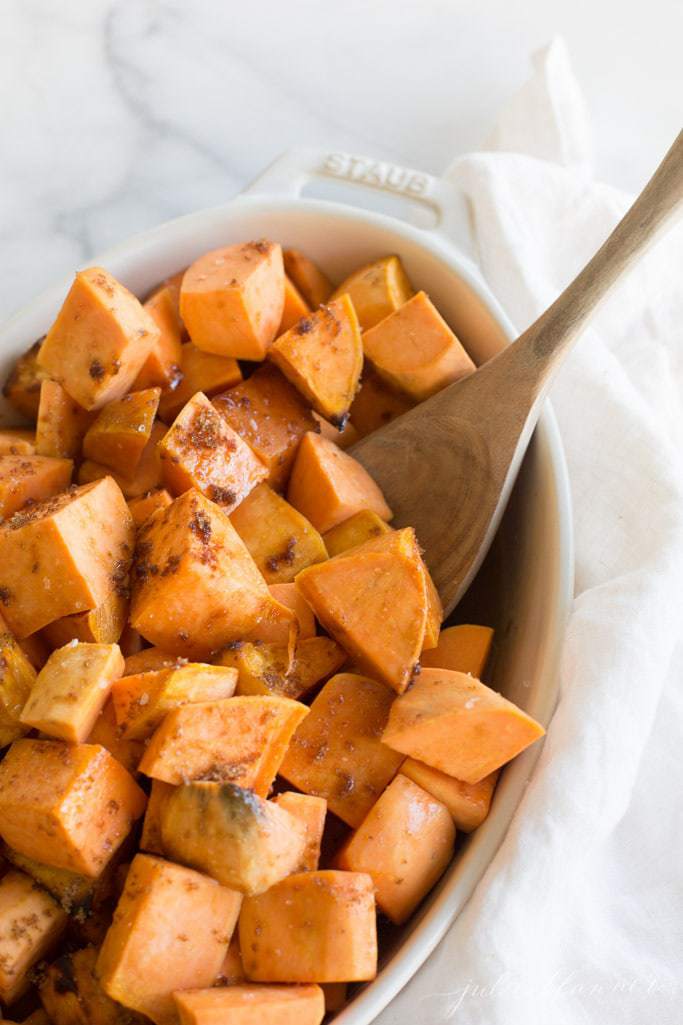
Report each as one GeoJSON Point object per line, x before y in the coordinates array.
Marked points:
{"type": "Point", "coordinates": [525, 586]}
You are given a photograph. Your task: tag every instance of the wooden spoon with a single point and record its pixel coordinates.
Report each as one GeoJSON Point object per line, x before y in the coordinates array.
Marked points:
{"type": "Point", "coordinates": [447, 467]}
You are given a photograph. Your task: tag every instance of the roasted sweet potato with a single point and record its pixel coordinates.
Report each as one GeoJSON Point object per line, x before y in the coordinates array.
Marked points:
{"type": "Point", "coordinates": [101, 625]}
{"type": "Point", "coordinates": [290, 596]}
{"type": "Point", "coordinates": [162, 367]}
{"type": "Point", "coordinates": [295, 307]}
{"type": "Point", "coordinates": [62, 423]}
{"type": "Point", "coordinates": [375, 404]}
{"type": "Point", "coordinates": [377, 290]}
{"type": "Point", "coordinates": [144, 477]}
{"type": "Point", "coordinates": [468, 803]}
{"type": "Point", "coordinates": [355, 531]}
{"type": "Point", "coordinates": [106, 733]}
{"type": "Point", "coordinates": [72, 995]}
{"type": "Point", "coordinates": [311, 812]}
{"type": "Point", "coordinates": [314, 285]}
{"type": "Point", "coordinates": [142, 508]}
{"type": "Point", "coordinates": [269, 668]}
{"type": "Point", "coordinates": [150, 658]}
{"type": "Point", "coordinates": [17, 677]}
{"type": "Point", "coordinates": [118, 436]}
{"type": "Point", "coordinates": [78, 895]}
{"type": "Point", "coordinates": [25, 480]}
{"type": "Point", "coordinates": [22, 388]}
{"type": "Point", "coordinates": [199, 371]}
{"type": "Point", "coordinates": [17, 441]}
{"type": "Point", "coordinates": [30, 922]}
{"type": "Point", "coordinates": [150, 840]}
{"type": "Point", "coordinates": [243, 1004]}
{"type": "Point", "coordinates": [232, 969]}
{"type": "Point", "coordinates": [463, 649]}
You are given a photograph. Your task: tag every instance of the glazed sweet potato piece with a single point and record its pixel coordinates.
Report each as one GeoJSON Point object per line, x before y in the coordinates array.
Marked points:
{"type": "Point", "coordinates": [252, 1005]}
{"type": "Point", "coordinates": [142, 508]}
{"type": "Point", "coordinates": [142, 478]}
{"type": "Point", "coordinates": [463, 649]}
{"type": "Point", "coordinates": [71, 690]}
{"type": "Point", "coordinates": [232, 835]}
{"type": "Point", "coordinates": [118, 436]}
{"type": "Point", "coordinates": [315, 287]}
{"type": "Point", "coordinates": [72, 995]}
{"type": "Point", "coordinates": [269, 668]}
{"type": "Point", "coordinates": [322, 356]}
{"type": "Point", "coordinates": [22, 388]}
{"type": "Point", "coordinates": [76, 894]}
{"type": "Point", "coordinates": [17, 441]}
{"type": "Point", "coordinates": [355, 531]}
{"type": "Point", "coordinates": [231, 299]}
{"type": "Point", "coordinates": [271, 416]}
{"type": "Point", "coordinates": [295, 307]}
{"type": "Point", "coordinates": [101, 625]}
{"type": "Point", "coordinates": [62, 423]}
{"type": "Point", "coordinates": [29, 479]}
{"type": "Point", "coordinates": [239, 740]}
{"type": "Point", "coordinates": [170, 909]}
{"type": "Point", "coordinates": [336, 753]}
{"type": "Point", "coordinates": [17, 677]}
{"type": "Point", "coordinates": [328, 485]}
{"type": "Point", "coordinates": [43, 812]}
{"type": "Point", "coordinates": [199, 371]}
{"type": "Point", "coordinates": [99, 341]}
{"type": "Point", "coordinates": [202, 451]}
{"type": "Point", "coordinates": [30, 923]}
{"type": "Point", "coordinates": [280, 540]}
{"type": "Point", "coordinates": [280, 627]}
{"type": "Point", "coordinates": [106, 733]}
{"type": "Point", "coordinates": [415, 351]}
{"type": "Point", "coordinates": [150, 658]}
{"type": "Point", "coordinates": [458, 725]}
{"type": "Point", "coordinates": [161, 369]}
{"type": "Point", "coordinates": [291, 933]}
{"type": "Point", "coordinates": [290, 596]}
{"type": "Point", "coordinates": [311, 812]}
{"type": "Point", "coordinates": [468, 803]}
{"type": "Point", "coordinates": [77, 546]}
{"type": "Point", "coordinates": [404, 844]}
{"type": "Point", "coordinates": [375, 404]}
{"type": "Point", "coordinates": [150, 839]}
{"type": "Point", "coordinates": [376, 290]}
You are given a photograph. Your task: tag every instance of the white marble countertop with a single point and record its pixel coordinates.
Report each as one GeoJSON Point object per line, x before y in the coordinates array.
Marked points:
{"type": "Point", "coordinates": [119, 115]}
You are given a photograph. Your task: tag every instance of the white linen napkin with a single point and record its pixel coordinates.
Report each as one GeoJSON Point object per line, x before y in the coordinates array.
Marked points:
{"type": "Point", "coordinates": [579, 919]}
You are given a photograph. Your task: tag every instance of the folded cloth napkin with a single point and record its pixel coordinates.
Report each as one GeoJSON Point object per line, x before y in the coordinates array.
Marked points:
{"type": "Point", "coordinates": [579, 919]}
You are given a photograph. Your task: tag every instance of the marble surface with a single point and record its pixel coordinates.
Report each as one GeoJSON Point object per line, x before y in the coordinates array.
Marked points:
{"type": "Point", "coordinates": [119, 115]}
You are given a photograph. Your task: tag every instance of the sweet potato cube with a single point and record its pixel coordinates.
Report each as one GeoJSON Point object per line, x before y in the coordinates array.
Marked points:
{"type": "Point", "coordinates": [415, 351]}
{"type": "Point", "coordinates": [30, 922]}
{"type": "Point", "coordinates": [150, 658]}
{"type": "Point", "coordinates": [64, 555]}
{"type": "Point", "coordinates": [142, 508]}
{"type": "Point", "coordinates": [336, 753]}
{"type": "Point", "coordinates": [118, 436]}
{"type": "Point", "coordinates": [17, 441]}
{"type": "Point", "coordinates": [404, 844]}
{"type": "Point", "coordinates": [295, 307]}
{"type": "Point", "coordinates": [311, 812]}
{"type": "Point", "coordinates": [199, 371]}
{"type": "Point", "coordinates": [142, 478]}
{"type": "Point", "coordinates": [314, 285]}
{"type": "Point", "coordinates": [102, 625]}
{"type": "Point", "coordinates": [66, 805]}
{"type": "Point", "coordinates": [99, 341]}
{"type": "Point", "coordinates": [375, 404]}
{"type": "Point", "coordinates": [343, 436]}
{"type": "Point", "coordinates": [463, 649]}
{"type": "Point", "coordinates": [326, 906]}
{"type": "Point", "coordinates": [171, 931]}
{"type": "Point", "coordinates": [271, 416]}
{"type": "Point", "coordinates": [353, 532]}
{"type": "Point", "coordinates": [252, 1005]}
{"type": "Point", "coordinates": [322, 356]}
{"type": "Point", "coordinates": [17, 677]}
{"type": "Point", "coordinates": [150, 840]}
{"type": "Point", "coordinates": [202, 451]}
{"type": "Point", "coordinates": [376, 290]}
{"type": "Point", "coordinates": [62, 423]}
{"type": "Point", "coordinates": [29, 479]}
{"type": "Point", "coordinates": [315, 659]}
{"type": "Point", "coordinates": [76, 894]}
{"type": "Point", "coordinates": [72, 995]}
{"type": "Point", "coordinates": [280, 540]}
{"type": "Point", "coordinates": [468, 803]}
{"type": "Point", "coordinates": [290, 596]}
{"type": "Point", "coordinates": [106, 733]}
{"type": "Point", "coordinates": [22, 388]}
{"type": "Point", "coordinates": [269, 669]}
{"type": "Point", "coordinates": [162, 367]}
{"type": "Point", "coordinates": [71, 690]}
{"type": "Point", "coordinates": [231, 299]}
{"type": "Point", "coordinates": [238, 740]}
{"type": "Point", "coordinates": [195, 586]}
{"type": "Point", "coordinates": [458, 725]}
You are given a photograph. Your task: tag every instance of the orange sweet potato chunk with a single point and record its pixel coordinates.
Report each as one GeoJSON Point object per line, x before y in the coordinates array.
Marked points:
{"type": "Point", "coordinates": [122, 429]}
{"type": "Point", "coordinates": [106, 733]}
{"type": "Point", "coordinates": [62, 423]}
{"type": "Point", "coordinates": [77, 546]}
{"type": "Point", "coordinates": [415, 351]}
{"type": "Point", "coordinates": [199, 371]}
{"type": "Point", "coordinates": [336, 753]}
{"type": "Point", "coordinates": [311, 812]}
{"type": "Point", "coordinates": [162, 366]}
{"type": "Point", "coordinates": [142, 508]}
{"type": "Point", "coordinates": [67, 805]}
{"type": "Point", "coordinates": [17, 441]}
{"type": "Point", "coordinates": [142, 661]}
{"type": "Point", "coordinates": [232, 970]}
{"type": "Point", "coordinates": [376, 290]}
{"type": "Point", "coordinates": [295, 307]}
{"type": "Point", "coordinates": [468, 803]}
{"type": "Point", "coordinates": [290, 596]}
{"type": "Point", "coordinates": [102, 625]}
{"type": "Point", "coordinates": [315, 287]}
{"type": "Point", "coordinates": [232, 299]}
{"type": "Point", "coordinates": [150, 840]}
{"type": "Point", "coordinates": [404, 844]}
{"type": "Point", "coordinates": [202, 451]}
{"type": "Point", "coordinates": [31, 479]}
{"type": "Point", "coordinates": [71, 993]}
{"type": "Point", "coordinates": [239, 740]}
{"type": "Point", "coordinates": [171, 931]}
{"type": "Point", "coordinates": [269, 668]}
{"type": "Point", "coordinates": [99, 341]}
{"type": "Point", "coordinates": [142, 478]}
{"type": "Point", "coordinates": [458, 725]}
{"type": "Point", "coordinates": [355, 531]}
{"type": "Point", "coordinates": [22, 387]}
{"type": "Point", "coordinates": [322, 356]}
{"type": "Point", "coordinates": [17, 677]}
{"type": "Point", "coordinates": [271, 416]}
{"type": "Point", "coordinates": [375, 404]}
{"type": "Point", "coordinates": [30, 923]}
{"type": "Point", "coordinates": [243, 1004]}
{"type": "Point", "coordinates": [328, 485]}
{"type": "Point", "coordinates": [293, 932]}
{"type": "Point", "coordinates": [463, 649]}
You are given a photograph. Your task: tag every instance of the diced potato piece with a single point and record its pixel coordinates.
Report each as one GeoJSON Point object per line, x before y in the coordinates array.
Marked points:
{"type": "Point", "coordinates": [468, 803]}
{"type": "Point", "coordinates": [268, 668]}
{"type": "Point", "coordinates": [63, 555]}
{"type": "Point", "coordinates": [170, 909]}
{"type": "Point", "coordinates": [30, 922]}
{"type": "Point", "coordinates": [377, 290]}
{"type": "Point", "coordinates": [280, 540]}
{"type": "Point", "coordinates": [252, 1005]}
{"type": "Point", "coordinates": [315, 287]}
{"type": "Point", "coordinates": [144, 477]}
{"type": "Point", "coordinates": [17, 677]}
{"type": "Point", "coordinates": [150, 840]}
{"type": "Point", "coordinates": [62, 423]}
{"type": "Point", "coordinates": [355, 531]}
{"type": "Point", "coordinates": [290, 596]}
{"type": "Point", "coordinates": [99, 341]}
{"type": "Point", "coordinates": [335, 996]}
{"type": "Point", "coordinates": [415, 351]}
{"type": "Point", "coordinates": [311, 812]}
{"type": "Point", "coordinates": [29, 479]}
{"type": "Point", "coordinates": [237, 740]}
{"type": "Point", "coordinates": [142, 508]}
{"type": "Point", "coordinates": [295, 307]}
{"type": "Point", "coordinates": [199, 371]}
{"type": "Point", "coordinates": [162, 366]}
{"type": "Point", "coordinates": [375, 404]}
{"type": "Point", "coordinates": [458, 725]}
{"type": "Point", "coordinates": [322, 356]}
{"type": "Point", "coordinates": [17, 441]}
{"type": "Point", "coordinates": [22, 388]}
{"type": "Point", "coordinates": [72, 995]}
{"type": "Point", "coordinates": [343, 437]}
{"type": "Point", "coordinates": [45, 814]}
{"type": "Point", "coordinates": [463, 649]}
{"type": "Point", "coordinates": [102, 625]}
{"type": "Point", "coordinates": [202, 451]}
{"type": "Point", "coordinates": [141, 702]}
{"type": "Point", "coordinates": [337, 753]}
{"type": "Point", "coordinates": [118, 436]}
{"type": "Point", "coordinates": [195, 586]}
{"type": "Point", "coordinates": [326, 906]}
{"type": "Point", "coordinates": [232, 299]}
{"type": "Point", "coordinates": [151, 658]}
{"type": "Point", "coordinates": [268, 412]}
{"type": "Point", "coordinates": [71, 690]}
{"type": "Point", "coordinates": [232, 970]}
{"type": "Point", "coordinates": [76, 894]}
{"type": "Point", "coordinates": [404, 844]}
{"type": "Point", "coordinates": [233, 835]}
{"type": "Point", "coordinates": [106, 733]}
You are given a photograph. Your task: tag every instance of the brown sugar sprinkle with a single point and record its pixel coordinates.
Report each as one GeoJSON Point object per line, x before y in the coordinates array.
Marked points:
{"type": "Point", "coordinates": [304, 326]}
{"type": "Point", "coordinates": [200, 525]}
{"type": "Point", "coordinates": [222, 496]}
{"type": "Point", "coordinates": [5, 595]}
{"type": "Point", "coordinates": [96, 370]}
{"type": "Point", "coordinates": [203, 431]}
{"type": "Point", "coordinates": [171, 566]}
{"type": "Point", "coordinates": [119, 579]}
{"type": "Point", "coordinates": [284, 558]}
